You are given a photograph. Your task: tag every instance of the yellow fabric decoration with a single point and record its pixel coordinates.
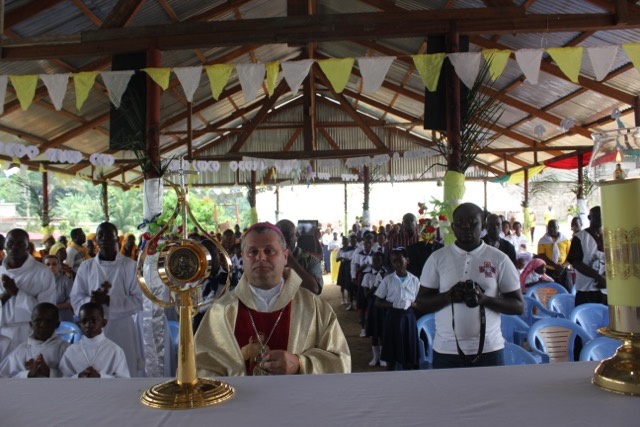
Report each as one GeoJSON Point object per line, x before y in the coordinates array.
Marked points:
{"type": "Point", "coordinates": [25, 87]}
{"type": "Point", "coordinates": [518, 177]}
{"type": "Point", "coordinates": [253, 215]}
{"type": "Point", "coordinates": [15, 160]}
{"type": "Point", "coordinates": [569, 59]}
{"type": "Point", "coordinates": [218, 77]}
{"type": "Point", "coordinates": [83, 82]}
{"type": "Point", "coordinates": [497, 60]}
{"type": "Point", "coordinates": [159, 75]}
{"type": "Point", "coordinates": [429, 67]}
{"type": "Point", "coordinates": [273, 68]}
{"type": "Point", "coordinates": [633, 52]}
{"type": "Point", "coordinates": [453, 192]}
{"type": "Point", "coordinates": [337, 71]}
{"type": "Point", "coordinates": [41, 168]}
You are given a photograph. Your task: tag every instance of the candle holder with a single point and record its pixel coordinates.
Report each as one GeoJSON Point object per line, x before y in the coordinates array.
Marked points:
{"type": "Point", "coordinates": [614, 168]}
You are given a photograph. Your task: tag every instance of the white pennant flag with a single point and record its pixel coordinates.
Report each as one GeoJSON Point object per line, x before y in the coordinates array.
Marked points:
{"type": "Point", "coordinates": [251, 77]}
{"type": "Point", "coordinates": [189, 78]}
{"type": "Point", "coordinates": [467, 65]}
{"type": "Point", "coordinates": [116, 83]}
{"type": "Point", "coordinates": [602, 59]}
{"type": "Point", "coordinates": [295, 72]}
{"type": "Point", "coordinates": [3, 91]}
{"type": "Point", "coordinates": [373, 71]}
{"type": "Point", "coordinates": [57, 87]}
{"type": "Point", "coordinates": [529, 62]}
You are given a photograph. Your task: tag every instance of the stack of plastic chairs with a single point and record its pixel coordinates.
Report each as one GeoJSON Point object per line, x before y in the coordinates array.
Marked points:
{"type": "Point", "coordinates": [563, 304]}
{"type": "Point", "coordinates": [69, 332]}
{"type": "Point", "coordinates": [426, 332]}
{"type": "Point", "coordinates": [591, 317]}
{"type": "Point", "coordinates": [554, 339]}
{"type": "Point", "coordinates": [544, 291]}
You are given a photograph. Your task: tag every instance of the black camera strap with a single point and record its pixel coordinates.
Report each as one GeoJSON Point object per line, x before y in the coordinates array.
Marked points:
{"type": "Point", "coordinates": [483, 329]}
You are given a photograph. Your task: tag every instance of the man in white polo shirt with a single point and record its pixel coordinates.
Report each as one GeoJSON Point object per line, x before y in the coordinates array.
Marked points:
{"type": "Point", "coordinates": [468, 284]}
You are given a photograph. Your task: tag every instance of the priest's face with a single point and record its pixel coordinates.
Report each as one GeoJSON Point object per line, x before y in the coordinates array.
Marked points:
{"type": "Point", "coordinates": [264, 255]}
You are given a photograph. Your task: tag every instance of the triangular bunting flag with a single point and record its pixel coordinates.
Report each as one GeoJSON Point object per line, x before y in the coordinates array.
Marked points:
{"type": "Point", "coordinates": [189, 79]}
{"type": "Point", "coordinates": [3, 91]}
{"type": "Point", "coordinates": [602, 59]}
{"type": "Point", "coordinates": [467, 65]}
{"type": "Point", "coordinates": [41, 168]}
{"type": "Point", "coordinates": [25, 87]}
{"type": "Point", "coordinates": [373, 71]}
{"type": "Point", "coordinates": [251, 77]}
{"type": "Point", "coordinates": [569, 59]}
{"type": "Point", "coordinates": [429, 67]}
{"type": "Point", "coordinates": [56, 86]}
{"type": "Point", "coordinates": [273, 68]}
{"type": "Point", "coordinates": [218, 77]}
{"type": "Point", "coordinates": [518, 177]}
{"type": "Point", "coordinates": [159, 75]}
{"type": "Point", "coordinates": [497, 60]}
{"type": "Point", "coordinates": [83, 82]}
{"type": "Point", "coordinates": [529, 62]}
{"type": "Point", "coordinates": [295, 72]}
{"type": "Point", "coordinates": [633, 52]}
{"type": "Point", "coordinates": [337, 71]}
{"type": "Point", "coordinates": [116, 83]}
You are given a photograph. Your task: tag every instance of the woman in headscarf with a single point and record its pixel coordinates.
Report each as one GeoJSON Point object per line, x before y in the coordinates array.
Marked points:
{"type": "Point", "coordinates": [534, 273]}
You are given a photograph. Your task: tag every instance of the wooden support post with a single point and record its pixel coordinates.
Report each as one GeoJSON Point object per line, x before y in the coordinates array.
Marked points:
{"type": "Point", "coordinates": [45, 199]}
{"type": "Point", "coordinates": [454, 125]}
{"type": "Point", "coordinates": [154, 59]}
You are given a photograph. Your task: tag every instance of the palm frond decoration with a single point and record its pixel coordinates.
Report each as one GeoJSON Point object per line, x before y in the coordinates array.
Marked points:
{"type": "Point", "coordinates": [479, 116]}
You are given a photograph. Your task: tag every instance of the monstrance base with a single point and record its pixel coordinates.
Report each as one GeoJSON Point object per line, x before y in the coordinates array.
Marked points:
{"type": "Point", "coordinates": [171, 395]}
{"type": "Point", "coordinates": [621, 372]}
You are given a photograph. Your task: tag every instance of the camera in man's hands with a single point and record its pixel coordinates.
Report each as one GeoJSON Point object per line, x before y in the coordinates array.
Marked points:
{"type": "Point", "coordinates": [470, 295]}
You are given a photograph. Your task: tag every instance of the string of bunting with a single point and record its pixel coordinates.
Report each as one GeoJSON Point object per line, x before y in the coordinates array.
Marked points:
{"type": "Point", "coordinates": [337, 70]}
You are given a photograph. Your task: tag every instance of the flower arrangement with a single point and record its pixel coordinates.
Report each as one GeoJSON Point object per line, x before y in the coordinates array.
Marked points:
{"type": "Point", "coordinates": [430, 221]}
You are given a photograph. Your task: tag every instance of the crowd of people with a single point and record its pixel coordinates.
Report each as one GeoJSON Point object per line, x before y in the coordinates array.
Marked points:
{"type": "Point", "coordinates": [272, 319]}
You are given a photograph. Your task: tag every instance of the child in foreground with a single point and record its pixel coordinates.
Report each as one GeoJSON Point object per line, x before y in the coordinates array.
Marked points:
{"type": "Point", "coordinates": [397, 292]}
{"type": "Point", "coordinates": [40, 355]}
{"type": "Point", "coordinates": [95, 355]}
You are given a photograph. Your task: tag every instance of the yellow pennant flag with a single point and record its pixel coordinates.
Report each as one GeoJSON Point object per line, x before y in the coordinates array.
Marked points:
{"type": "Point", "coordinates": [273, 68]}
{"type": "Point", "coordinates": [25, 87]}
{"type": "Point", "coordinates": [429, 67]}
{"type": "Point", "coordinates": [518, 177]}
{"type": "Point", "coordinates": [16, 160]}
{"type": "Point", "coordinates": [159, 75]}
{"type": "Point", "coordinates": [41, 168]}
{"type": "Point", "coordinates": [218, 77]}
{"type": "Point", "coordinates": [83, 82]}
{"type": "Point", "coordinates": [337, 71]}
{"type": "Point", "coordinates": [569, 59]}
{"type": "Point", "coordinates": [633, 52]}
{"type": "Point", "coordinates": [497, 60]}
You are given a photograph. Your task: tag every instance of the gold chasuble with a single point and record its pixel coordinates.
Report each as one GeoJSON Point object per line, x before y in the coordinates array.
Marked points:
{"type": "Point", "coordinates": [314, 334]}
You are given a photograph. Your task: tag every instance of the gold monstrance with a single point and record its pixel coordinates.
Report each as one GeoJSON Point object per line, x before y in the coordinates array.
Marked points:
{"type": "Point", "coordinates": [615, 169]}
{"type": "Point", "coordinates": [183, 266]}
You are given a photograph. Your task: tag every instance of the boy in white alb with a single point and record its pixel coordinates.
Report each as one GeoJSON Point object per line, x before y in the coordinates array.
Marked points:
{"type": "Point", "coordinates": [94, 356]}
{"type": "Point", "coordinates": [40, 355]}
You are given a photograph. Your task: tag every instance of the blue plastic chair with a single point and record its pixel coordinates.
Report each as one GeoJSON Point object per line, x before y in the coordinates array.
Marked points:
{"type": "Point", "coordinates": [534, 311]}
{"type": "Point", "coordinates": [426, 332]}
{"type": "Point", "coordinates": [544, 291]}
{"type": "Point", "coordinates": [174, 329]}
{"type": "Point", "coordinates": [599, 348]}
{"type": "Point", "coordinates": [563, 304]}
{"type": "Point", "coordinates": [554, 339]}
{"type": "Point", "coordinates": [69, 332]}
{"type": "Point", "coordinates": [591, 317]}
{"type": "Point", "coordinates": [516, 355]}
{"type": "Point", "coordinates": [514, 329]}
